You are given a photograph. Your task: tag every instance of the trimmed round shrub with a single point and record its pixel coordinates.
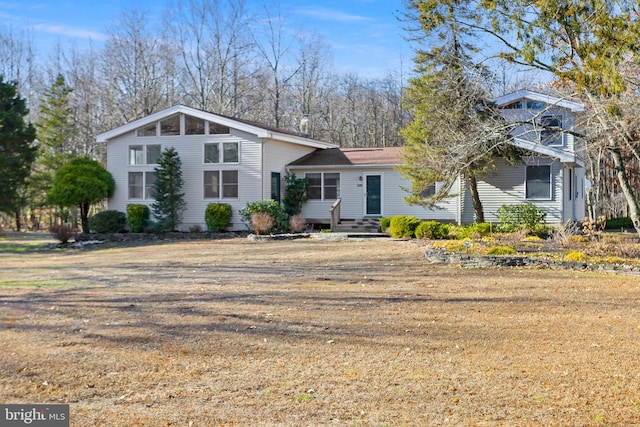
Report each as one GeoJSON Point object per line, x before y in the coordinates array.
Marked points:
{"type": "Point", "coordinates": [432, 230]}
{"type": "Point", "coordinates": [403, 226]}
{"type": "Point", "coordinates": [108, 222]}
{"type": "Point", "coordinates": [217, 216]}
{"type": "Point", "coordinates": [137, 217]}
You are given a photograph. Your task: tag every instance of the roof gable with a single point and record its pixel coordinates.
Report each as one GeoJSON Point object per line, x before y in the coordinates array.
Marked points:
{"type": "Point", "coordinates": [537, 96]}
{"type": "Point", "coordinates": [261, 131]}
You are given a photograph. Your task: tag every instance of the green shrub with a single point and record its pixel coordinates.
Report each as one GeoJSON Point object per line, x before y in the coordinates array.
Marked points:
{"type": "Point", "coordinates": [403, 226]}
{"type": "Point", "coordinates": [270, 207]}
{"type": "Point", "coordinates": [483, 229]}
{"type": "Point", "coordinates": [108, 222]}
{"type": "Point", "coordinates": [384, 224]}
{"type": "Point", "coordinates": [524, 216]}
{"type": "Point", "coordinates": [137, 217]}
{"type": "Point", "coordinates": [296, 194]}
{"type": "Point", "coordinates": [479, 230]}
{"type": "Point", "coordinates": [217, 216]}
{"type": "Point", "coordinates": [501, 250]}
{"type": "Point", "coordinates": [432, 230]}
{"type": "Point", "coordinates": [618, 223]}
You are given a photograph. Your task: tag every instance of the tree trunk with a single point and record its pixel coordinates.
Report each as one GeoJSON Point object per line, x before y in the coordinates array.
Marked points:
{"type": "Point", "coordinates": [84, 216]}
{"type": "Point", "coordinates": [623, 180]}
{"type": "Point", "coordinates": [477, 204]}
{"type": "Point", "coordinates": [18, 222]}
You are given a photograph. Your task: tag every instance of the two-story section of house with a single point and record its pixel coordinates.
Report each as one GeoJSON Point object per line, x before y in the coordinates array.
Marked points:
{"type": "Point", "coordinates": [224, 160]}
{"type": "Point", "coordinates": [552, 174]}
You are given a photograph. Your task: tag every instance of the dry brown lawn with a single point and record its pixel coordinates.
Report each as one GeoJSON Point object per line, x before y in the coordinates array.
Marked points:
{"type": "Point", "coordinates": [313, 333]}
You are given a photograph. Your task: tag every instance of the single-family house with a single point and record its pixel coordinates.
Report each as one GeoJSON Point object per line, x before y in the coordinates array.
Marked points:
{"type": "Point", "coordinates": [223, 160]}
{"type": "Point", "coordinates": [232, 161]}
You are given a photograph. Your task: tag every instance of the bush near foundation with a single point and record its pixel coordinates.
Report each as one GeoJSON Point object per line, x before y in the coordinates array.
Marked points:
{"type": "Point", "coordinates": [137, 217]}
{"type": "Point", "coordinates": [217, 216]}
{"type": "Point", "coordinates": [108, 222]}
{"type": "Point", "coordinates": [403, 226]}
{"type": "Point", "coordinates": [432, 230]}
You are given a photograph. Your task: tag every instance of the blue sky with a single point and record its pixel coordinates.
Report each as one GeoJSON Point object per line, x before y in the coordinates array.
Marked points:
{"type": "Point", "coordinates": [364, 35]}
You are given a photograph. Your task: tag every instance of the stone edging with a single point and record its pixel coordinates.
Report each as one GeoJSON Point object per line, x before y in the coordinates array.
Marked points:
{"type": "Point", "coordinates": [441, 256]}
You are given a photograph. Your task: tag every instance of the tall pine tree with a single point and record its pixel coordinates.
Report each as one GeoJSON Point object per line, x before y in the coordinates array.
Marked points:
{"type": "Point", "coordinates": [169, 204]}
{"type": "Point", "coordinates": [17, 150]}
{"type": "Point", "coordinates": [455, 131]}
{"type": "Point", "coordinates": [56, 141]}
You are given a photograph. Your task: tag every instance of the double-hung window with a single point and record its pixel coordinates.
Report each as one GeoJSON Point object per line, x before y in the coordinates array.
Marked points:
{"type": "Point", "coordinates": [221, 184]}
{"type": "Point", "coordinates": [142, 185]}
{"type": "Point", "coordinates": [551, 133]}
{"type": "Point", "coordinates": [538, 182]}
{"type": "Point", "coordinates": [323, 186]}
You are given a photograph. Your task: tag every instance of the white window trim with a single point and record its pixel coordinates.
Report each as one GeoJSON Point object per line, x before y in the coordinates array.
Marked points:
{"type": "Point", "coordinates": [144, 186]}
{"type": "Point", "coordinates": [526, 183]}
{"type": "Point", "coordinates": [220, 184]}
{"type": "Point", "coordinates": [220, 145]}
{"type": "Point", "coordinates": [144, 155]}
{"type": "Point", "coordinates": [561, 134]}
{"type": "Point", "coordinates": [322, 186]}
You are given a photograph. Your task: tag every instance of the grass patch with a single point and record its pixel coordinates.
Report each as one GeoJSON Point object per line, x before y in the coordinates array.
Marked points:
{"type": "Point", "coordinates": [24, 242]}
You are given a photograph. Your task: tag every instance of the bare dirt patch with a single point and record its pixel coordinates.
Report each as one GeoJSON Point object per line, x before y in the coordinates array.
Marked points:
{"type": "Point", "coordinates": [305, 332]}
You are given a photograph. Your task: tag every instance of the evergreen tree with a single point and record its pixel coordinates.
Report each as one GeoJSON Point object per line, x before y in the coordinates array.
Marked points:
{"type": "Point", "coordinates": [17, 150]}
{"type": "Point", "coordinates": [56, 129]}
{"type": "Point", "coordinates": [81, 182]}
{"type": "Point", "coordinates": [455, 130]}
{"type": "Point", "coordinates": [56, 140]}
{"type": "Point", "coordinates": [169, 204]}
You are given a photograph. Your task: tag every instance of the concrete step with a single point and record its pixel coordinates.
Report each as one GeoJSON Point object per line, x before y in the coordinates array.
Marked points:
{"type": "Point", "coordinates": [364, 225]}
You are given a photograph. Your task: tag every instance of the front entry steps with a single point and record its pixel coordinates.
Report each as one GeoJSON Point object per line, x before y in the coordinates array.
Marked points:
{"type": "Point", "coordinates": [363, 225]}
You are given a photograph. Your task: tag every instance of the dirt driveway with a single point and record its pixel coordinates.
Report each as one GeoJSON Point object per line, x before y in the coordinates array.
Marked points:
{"type": "Point", "coordinates": [306, 333]}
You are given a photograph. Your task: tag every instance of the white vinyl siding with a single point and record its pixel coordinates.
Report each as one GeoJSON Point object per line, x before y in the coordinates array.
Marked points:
{"type": "Point", "coordinates": [506, 185]}
{"type": "Point", "coordinates": [353, 198]}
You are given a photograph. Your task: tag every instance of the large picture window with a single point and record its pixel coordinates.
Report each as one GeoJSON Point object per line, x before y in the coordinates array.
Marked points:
{"type": "Point", "coordinates": [323, 186]}
{"type": "Point", "coordinates": [223, 183]}
{"type": "Point", "coordinates": [538, 182]}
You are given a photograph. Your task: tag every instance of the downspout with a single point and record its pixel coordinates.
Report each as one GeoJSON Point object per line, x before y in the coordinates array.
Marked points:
{"type": "Point", "coordinates": [459, 202]}
{"type": "Point", "coordinates": [562, 199]}
{"type": "Point", "coordinates": [573, 194]}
